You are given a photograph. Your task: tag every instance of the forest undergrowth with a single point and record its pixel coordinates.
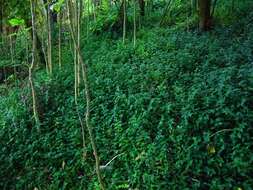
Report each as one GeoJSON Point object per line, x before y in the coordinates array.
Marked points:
{"type": "Point", "coordinates": [176, 112]}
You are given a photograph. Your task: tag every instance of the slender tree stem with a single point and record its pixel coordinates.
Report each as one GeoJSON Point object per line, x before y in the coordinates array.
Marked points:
{"type": "Point", "coordinates": [134, 23]}
{"type": "Point", "coordinates": [166, 10]}
{"type": "Point", "coordinates": [78, 15]}
{"type": "Point", "coordinates": [124, 21]}
{"type": "Point", "coordinates": [59, 39]}
{"type": "Point", "coordinates": [49, 38]}
{"type": "Point", "coordinates": [35, 113]}
{"type": "Point", "coordinates": [213, 9]}
{"type": "Point", "coordinates": [87, 115]}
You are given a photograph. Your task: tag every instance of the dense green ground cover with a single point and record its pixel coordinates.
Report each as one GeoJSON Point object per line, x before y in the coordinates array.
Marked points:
{"type": "Point", "coordinates": [177, 108]}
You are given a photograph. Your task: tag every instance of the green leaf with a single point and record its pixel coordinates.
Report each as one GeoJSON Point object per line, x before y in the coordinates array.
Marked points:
{"type": "Point", "coordinates": [16, 22]}
{"type": "Point", "coordinates": [57, 6]}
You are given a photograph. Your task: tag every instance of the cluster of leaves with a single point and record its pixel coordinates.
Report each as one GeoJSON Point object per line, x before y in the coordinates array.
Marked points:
{"type": "Point", "coordinates": [187, 124]}
{"type": "Point", "coordinates": [14, 56]}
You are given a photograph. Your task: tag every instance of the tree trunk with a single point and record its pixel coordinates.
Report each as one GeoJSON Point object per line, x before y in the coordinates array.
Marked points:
{"type": "Point", "coordinates": [119, 24]}
{"type": "Point", "coordinates": [124, 21]}
{"type": "Point", "coordinates": [142, 7]}
{"type": "Point", "coordinates": [1, 20]}
{"type": "Point", "coordinates": [204, 14]}
{"type": "Point", "coordinates": [39, 49]}
{"type": "Point", "coordinates": [87, 98]}
{"type": "Point", "coordinates": [59, 38]}
{"type": "Point", "coordinates": [49, 38]}
{"type": "Point", "coordinates": [31, 68]}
